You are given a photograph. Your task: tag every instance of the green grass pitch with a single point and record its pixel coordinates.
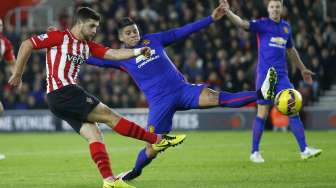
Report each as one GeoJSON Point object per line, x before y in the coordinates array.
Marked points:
{"type": "Point", "coordinates": [204, 160]}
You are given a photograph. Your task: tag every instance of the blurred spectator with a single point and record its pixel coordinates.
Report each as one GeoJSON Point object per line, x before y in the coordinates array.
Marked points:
{"type": "Point", "coordinates": [280, 122]}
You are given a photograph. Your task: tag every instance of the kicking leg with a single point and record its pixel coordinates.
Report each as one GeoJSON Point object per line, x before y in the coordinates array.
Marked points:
{"type": "Point", "coordinates": [103, 114]}
{"type": "Point", "coordinates": [211, 98]}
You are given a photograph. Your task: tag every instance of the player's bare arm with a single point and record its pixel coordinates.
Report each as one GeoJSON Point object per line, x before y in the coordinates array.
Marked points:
{"type": "Point", "coordinates": [236, 20]}
{"type": "Point", "coordinates": [121, 54]}
{"type": "Point", "coordinates": [218, 13]}
{"type": "Point", "coordinates": [296, 60]}
{"type": "Point", "coordinates": [25, 51]}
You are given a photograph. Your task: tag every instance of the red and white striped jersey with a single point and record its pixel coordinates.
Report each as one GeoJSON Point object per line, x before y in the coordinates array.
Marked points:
{"type": "Point", "coordinates": [65, 54]}
{"type": "Point", "coordinates": [6, 50]}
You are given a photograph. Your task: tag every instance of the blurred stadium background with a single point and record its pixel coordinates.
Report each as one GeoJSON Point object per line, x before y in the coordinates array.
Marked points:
{"type": "Point", "coordinates": [221, 55]}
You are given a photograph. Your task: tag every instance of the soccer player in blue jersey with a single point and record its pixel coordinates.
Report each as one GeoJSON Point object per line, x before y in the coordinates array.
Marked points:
{"type": "Point", "coordinates": [165, 87]}
{"type": "Point", "coordinates": [274, 41]}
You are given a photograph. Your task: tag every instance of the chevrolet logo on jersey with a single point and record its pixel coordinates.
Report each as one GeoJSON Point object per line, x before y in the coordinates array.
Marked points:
{"type": "Point", "coordinates": [278, 42]}
{"type": "Point", "coordinates": [142, 60]}
{"type": "Point", "coordinates": [76, 59]}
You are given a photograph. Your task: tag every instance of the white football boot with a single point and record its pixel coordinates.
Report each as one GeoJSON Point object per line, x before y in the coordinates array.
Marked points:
{"type": "Point", "coordinates": [268, 86]}
{"type": "Point", "coordinates": [2, 157]}
{"type": "Point", "coordinates": [310, 153]}
{"type": "Point", "coordinates": [256, 157]}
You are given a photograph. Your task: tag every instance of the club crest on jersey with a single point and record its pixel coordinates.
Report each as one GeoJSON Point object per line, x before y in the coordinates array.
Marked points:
{"type": "Point", "coordinates": [141, 60]}
{"type": "Point", "coordinates": [286, 30]}
{"type": "Point", "coordinates": [42, 37]}
{"type": "Point", "coordinates": [151, 129]}
{"type": "Point", "coordinates": [146, 42]}
{"type": "Point", "coordinates": [75, 59]}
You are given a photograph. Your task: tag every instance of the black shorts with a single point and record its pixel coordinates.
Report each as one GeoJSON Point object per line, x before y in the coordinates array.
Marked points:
{"type": "Point", "coordinates": [72, 104]}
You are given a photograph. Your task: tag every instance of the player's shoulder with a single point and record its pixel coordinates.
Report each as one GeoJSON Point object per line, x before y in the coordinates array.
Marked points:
{"type": "Point", "coordinates": [151, 36]}
{"type": "Point", "coordinates": [149, 39]}
{"type": "Point", "coordinates": [58, 33]}
{"type": "Point", "coordinates": [261, 20]}
{"type": "Point", "coordinates": [54, 35]}
{"type": "Point", "coordinates": [286, 23]}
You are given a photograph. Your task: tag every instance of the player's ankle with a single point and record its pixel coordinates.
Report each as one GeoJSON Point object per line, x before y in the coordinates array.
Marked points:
{"type": "Point", "coordinates": [159, 138]}
{"type": "Point", "coordinates": [110, 179]}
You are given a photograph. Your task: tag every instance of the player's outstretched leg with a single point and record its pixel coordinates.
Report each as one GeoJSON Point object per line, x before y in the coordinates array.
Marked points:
{"type": "Point", "coordinates": [210, 98]}
{"type": "Point", "coordinates": [297, 129]}
{"type": "Point", "coordinates": [145, 157]}
{"type": "Point", "coordinates": [122, 126]}
{"type": "Point", "coordinates": [238, 99]}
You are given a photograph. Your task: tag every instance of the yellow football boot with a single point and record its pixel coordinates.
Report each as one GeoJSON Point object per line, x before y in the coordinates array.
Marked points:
{"type": "Point", "coordinates": [119, 183]}
{"type": "Point", "coordinates": [168, 141]}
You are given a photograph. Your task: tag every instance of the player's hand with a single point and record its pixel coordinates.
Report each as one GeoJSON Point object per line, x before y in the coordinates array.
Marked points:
{"type": "Point", "coordinates": [307, 76]}
{"type": "Point", "coordinates": [15, 80]}
{"type": "Point", "coordinates": [225, 5]}
{"type": "Point", "coordinates": [218, 13]}
{"type": "Point", "coordinates": [145, 51]}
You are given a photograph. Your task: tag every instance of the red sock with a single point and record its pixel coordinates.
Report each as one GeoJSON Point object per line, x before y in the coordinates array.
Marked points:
{"type": "Point", "coordinates": [130, 129]}
{"type": "Point", "coordinates": [101, 158]}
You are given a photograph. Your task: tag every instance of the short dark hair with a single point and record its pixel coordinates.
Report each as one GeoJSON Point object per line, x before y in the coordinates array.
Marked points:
{"type": "Point", "coordinates": [125, 22]}
{"type": "Point", "coordinates": [85, 13]}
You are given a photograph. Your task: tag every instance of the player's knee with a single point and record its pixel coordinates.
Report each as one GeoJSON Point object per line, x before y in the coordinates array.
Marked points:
{"type": "Point", "coordinates": [262, 111]}
{"type": "Point", "coordinates": [91, 132]}
{"type": "Point", "coordinates": [109, 115]}
{"type": "Point", "coordinates": [209, 98]}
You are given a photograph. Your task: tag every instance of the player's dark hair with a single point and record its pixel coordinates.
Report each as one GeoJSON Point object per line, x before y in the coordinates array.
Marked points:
{"type": "Point", "coordinates": [85, 13]}
{"type": "Point", "coordinates": [125, 22]}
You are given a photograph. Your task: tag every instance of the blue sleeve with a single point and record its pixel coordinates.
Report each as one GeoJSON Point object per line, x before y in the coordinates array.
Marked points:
{"type": "Point", "coordinates": [103, 63]}
{"type": "Point", "coordinates": [170, 36]}
{"type": "Point", "coordinates": [256, 26]}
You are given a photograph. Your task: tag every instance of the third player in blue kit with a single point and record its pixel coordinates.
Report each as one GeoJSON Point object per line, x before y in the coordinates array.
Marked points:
{"type": "Point", "coordinates": [164, 86]}
{"type": "Point", "coordinates": [274, 36]}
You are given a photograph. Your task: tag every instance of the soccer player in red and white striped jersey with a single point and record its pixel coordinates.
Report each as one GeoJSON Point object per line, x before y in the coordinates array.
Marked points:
{"type": "Point", "coordinates": [66, 51]}
{"type": "Point", "coordinates": [6, 54]}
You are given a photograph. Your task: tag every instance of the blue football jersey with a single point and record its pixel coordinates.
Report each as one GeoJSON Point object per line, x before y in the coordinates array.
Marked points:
{"type": "Point", "coordinates": [273, 40]}
{"type": "Point", "coordinates": [156, 76]}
